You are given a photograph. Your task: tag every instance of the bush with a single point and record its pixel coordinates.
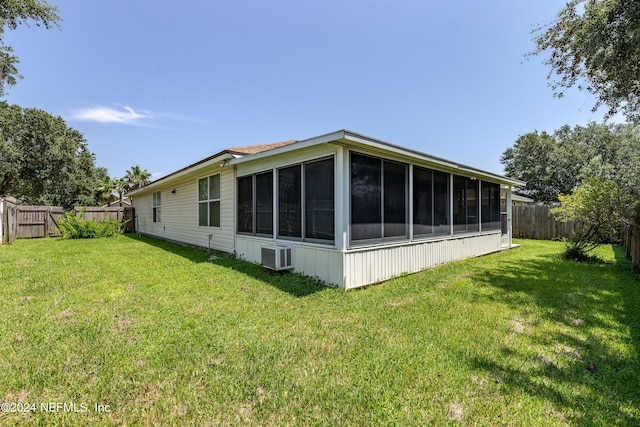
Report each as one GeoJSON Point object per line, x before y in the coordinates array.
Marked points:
{"type": "Point", "coordinates": [73, 227]}
{"type": "Point", "coordinates": [575, 249]}
{"type": "Point", "coordinates": [598, 210]}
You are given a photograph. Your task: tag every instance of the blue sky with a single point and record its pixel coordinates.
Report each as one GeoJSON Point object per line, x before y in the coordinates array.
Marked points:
{"type": "Point", "coordinates": [164, 84]}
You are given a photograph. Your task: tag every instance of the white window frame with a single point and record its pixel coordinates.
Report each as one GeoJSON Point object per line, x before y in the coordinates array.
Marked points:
{"type": "Point", "coordinates": [209, 200]}
{"type": "Point", "coordinates": [156, 207]}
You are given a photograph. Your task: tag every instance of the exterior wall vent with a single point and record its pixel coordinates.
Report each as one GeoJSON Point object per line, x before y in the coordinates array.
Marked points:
{"type": "Point", "coordinates": [277, 257]}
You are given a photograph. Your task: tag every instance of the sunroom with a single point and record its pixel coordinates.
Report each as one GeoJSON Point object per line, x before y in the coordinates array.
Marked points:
{"type": "Point", "coordinates": [351, 210]}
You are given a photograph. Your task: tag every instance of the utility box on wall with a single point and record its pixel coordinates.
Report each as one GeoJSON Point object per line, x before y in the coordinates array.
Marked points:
{"type": "Point", "coordinates": [277, 257]}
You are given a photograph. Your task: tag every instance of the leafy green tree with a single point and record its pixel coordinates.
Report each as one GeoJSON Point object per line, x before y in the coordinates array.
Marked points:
{"type": "Point", "coordinates": [47, 162]}
{"type": "Point", "coordinates": [554, 164]}
{"type": "Point", "coordinates": [14, 13]}
{"type": "Point", "coordinates": [595, 44]}
{"type": "Point", "coordinates": [597, 208]}
{"type": "Point", "coordinates": [137, 177]}
{"type": "Point", "coordinates": [10, 156]}
{"type": "Point", "coordinates": [533, 159]}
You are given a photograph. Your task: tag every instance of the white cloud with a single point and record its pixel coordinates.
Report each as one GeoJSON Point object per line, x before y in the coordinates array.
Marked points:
{"type": "Point", "coordinates": [102, 114]}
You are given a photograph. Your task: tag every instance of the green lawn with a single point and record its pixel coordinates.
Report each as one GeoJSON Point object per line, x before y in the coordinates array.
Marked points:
{"type": "Point", "coordinates": [159, 335]}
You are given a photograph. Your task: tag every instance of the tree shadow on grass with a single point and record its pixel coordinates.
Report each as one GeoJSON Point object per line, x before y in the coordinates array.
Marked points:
{"type": "Point", "coordinates": [576, 343]}
{"type": "Point", "coordinates": [294, 284]}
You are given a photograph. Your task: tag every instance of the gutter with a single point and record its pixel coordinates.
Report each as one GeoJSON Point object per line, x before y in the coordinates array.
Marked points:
{"type": "Point", "coordinates": [346, 137]}
{"type": "Point", "coordinates": [448, 164]}
{"type": "Point", "coordinates": [222, 157]}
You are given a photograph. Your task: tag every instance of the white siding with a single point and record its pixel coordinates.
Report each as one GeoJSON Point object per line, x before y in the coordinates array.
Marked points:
{"type": "Point", "coordinates": [375, 264]}
{"type": "Point", "coordinates": [324, 264]}
{"type": "Point", "coordinates": [179, 219]}
{"type": "Point", "coordinates": [358, 267]}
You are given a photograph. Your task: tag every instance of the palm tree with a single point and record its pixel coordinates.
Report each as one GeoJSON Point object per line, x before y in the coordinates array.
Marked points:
{"type": "Point", "coordinates": [137, 177]}
{"type": "Point", "coordinates": [107, 187]}
{"type": "Point", "coordinates": [121, 187]}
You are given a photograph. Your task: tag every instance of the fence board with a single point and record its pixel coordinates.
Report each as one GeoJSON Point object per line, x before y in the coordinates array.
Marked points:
{"type": "Point", "coordinates": [98, 213]}
{"type": "Point", "coordinates": [117, 213]}
{"type": "Point", "coordinates": [537, 222]}
{"type": "Point", "coordinates": [36, 221]}
{"type": "Point", "coordinates": [9, 222]}
{"type": "Point", "coordinates": [631, 242]}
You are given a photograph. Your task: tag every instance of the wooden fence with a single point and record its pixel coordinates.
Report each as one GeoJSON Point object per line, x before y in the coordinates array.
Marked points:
{"type": "Point", "coordinates": [26, 222]}
{"type": "Point", "coordinates": [118, 213]}
{"type": "Point", "coordinates": [630, 237]}
{"type": "Point", "coordinates": [537, 222]}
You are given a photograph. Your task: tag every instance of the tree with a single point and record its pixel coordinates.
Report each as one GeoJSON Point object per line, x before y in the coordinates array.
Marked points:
{"type": "Point", "coordinates": [554, 164]}
{"type": "Point", "coordinates": [534, 159]}
{"type": "Point", "coordinates": [597, 43]}
{"type": "Point", "coordinates": [43, 160]}
{"type": "Point", "coordinates": [14, 13]}
{"type": "Point", "coordinates": [598, 209]}
{"type": "Point", "coordinates": [121, 187]}
{"type": "Point", "coordinates": [137, 177]}
{"type": "Point", "coordinates": [107, 186]}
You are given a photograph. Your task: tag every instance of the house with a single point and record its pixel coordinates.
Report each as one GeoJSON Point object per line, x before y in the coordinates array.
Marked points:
{"type": "Point", "coordinates": [344, 208]}
{"type": "Point", "coordinates": [516, 199]}
{"type": "Point", "coordinates": [126, 202]}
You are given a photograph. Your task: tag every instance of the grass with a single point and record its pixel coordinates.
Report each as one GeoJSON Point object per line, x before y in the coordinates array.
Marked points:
{"type": "Point", "coordinates": [159, 335]}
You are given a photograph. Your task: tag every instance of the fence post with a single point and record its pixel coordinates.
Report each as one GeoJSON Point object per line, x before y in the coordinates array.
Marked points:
{"type": "Point", "coordinates": [1, 222]}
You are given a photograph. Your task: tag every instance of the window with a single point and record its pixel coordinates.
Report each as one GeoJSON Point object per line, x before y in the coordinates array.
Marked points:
{"type": "Point", "coordinates": [245, 204]}
{"type": "Point", "coordinates": [305, 202]}
{"type": "Point", "coordinates": [290, 201]}
{"type": "Point", "coordinates": [319, 200]}
{"type": "Point", "coordinates": [465, 204]}
{"type": "Point", "coordinates": [366, 197]}
{"type": "Point", "coordinates": [255, 209]}
{"type": "Point", "coordinates": [378, 198]}
{"type": "Point", "coordinates": [157, 206]}
{"type": "Point", "coordinates": [264, 203]}
{"type": "Point", "coordinates": [209, 201]}
{"type": "Point", "coordinates": [307, 214]}
{"type": "Point", "coordinates": [490, 206]}
{"type": "Point", "coordinates": [395, 199]}
{"type": "Point", "coordinates": [441, 208]}
{"type": "Point", "coordinates": [430, 202]}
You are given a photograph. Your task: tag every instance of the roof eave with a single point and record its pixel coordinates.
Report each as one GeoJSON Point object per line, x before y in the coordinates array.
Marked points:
{"type": "Point", "coordinates": [205, 163]}
{"type": "Point", "coordinates": [447, 164]}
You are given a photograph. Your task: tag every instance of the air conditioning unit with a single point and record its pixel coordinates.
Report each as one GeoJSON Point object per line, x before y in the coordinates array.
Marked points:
{"type": "Point", "coordinates": [277, 257]}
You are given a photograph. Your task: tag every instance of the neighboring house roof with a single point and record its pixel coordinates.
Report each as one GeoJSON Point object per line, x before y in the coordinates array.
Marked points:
{"type": "Point", "coordinates": [125, 201]}
{"type": "Point", "coordinates": [518, 198]}
{"type": "Point", "coordinates": [343, 137]}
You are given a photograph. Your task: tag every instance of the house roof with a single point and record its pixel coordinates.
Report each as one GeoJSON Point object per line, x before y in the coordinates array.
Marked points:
{"type": "Point", "coordinates": [353, 139]}
{"type": "Point", "coordinates": [519, 198]}
{"type": "Point", "coordinates": [243, 154]}
{"type": "Point", "coordinates": [226, 154]}
{"type": "Point", "coordinates": [253, 149]}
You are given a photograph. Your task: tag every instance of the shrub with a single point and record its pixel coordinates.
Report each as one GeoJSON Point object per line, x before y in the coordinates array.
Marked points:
{"type": "Point", "coordinates": [574, 249]}
{"type": "Point", "coordinates": [74, 227]}
{"type": "Point", "coordinates": [597, 208]}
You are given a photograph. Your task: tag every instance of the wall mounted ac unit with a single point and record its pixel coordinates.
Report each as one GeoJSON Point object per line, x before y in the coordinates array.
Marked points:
{"type": "Point", "coordinates": [277, 257]}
